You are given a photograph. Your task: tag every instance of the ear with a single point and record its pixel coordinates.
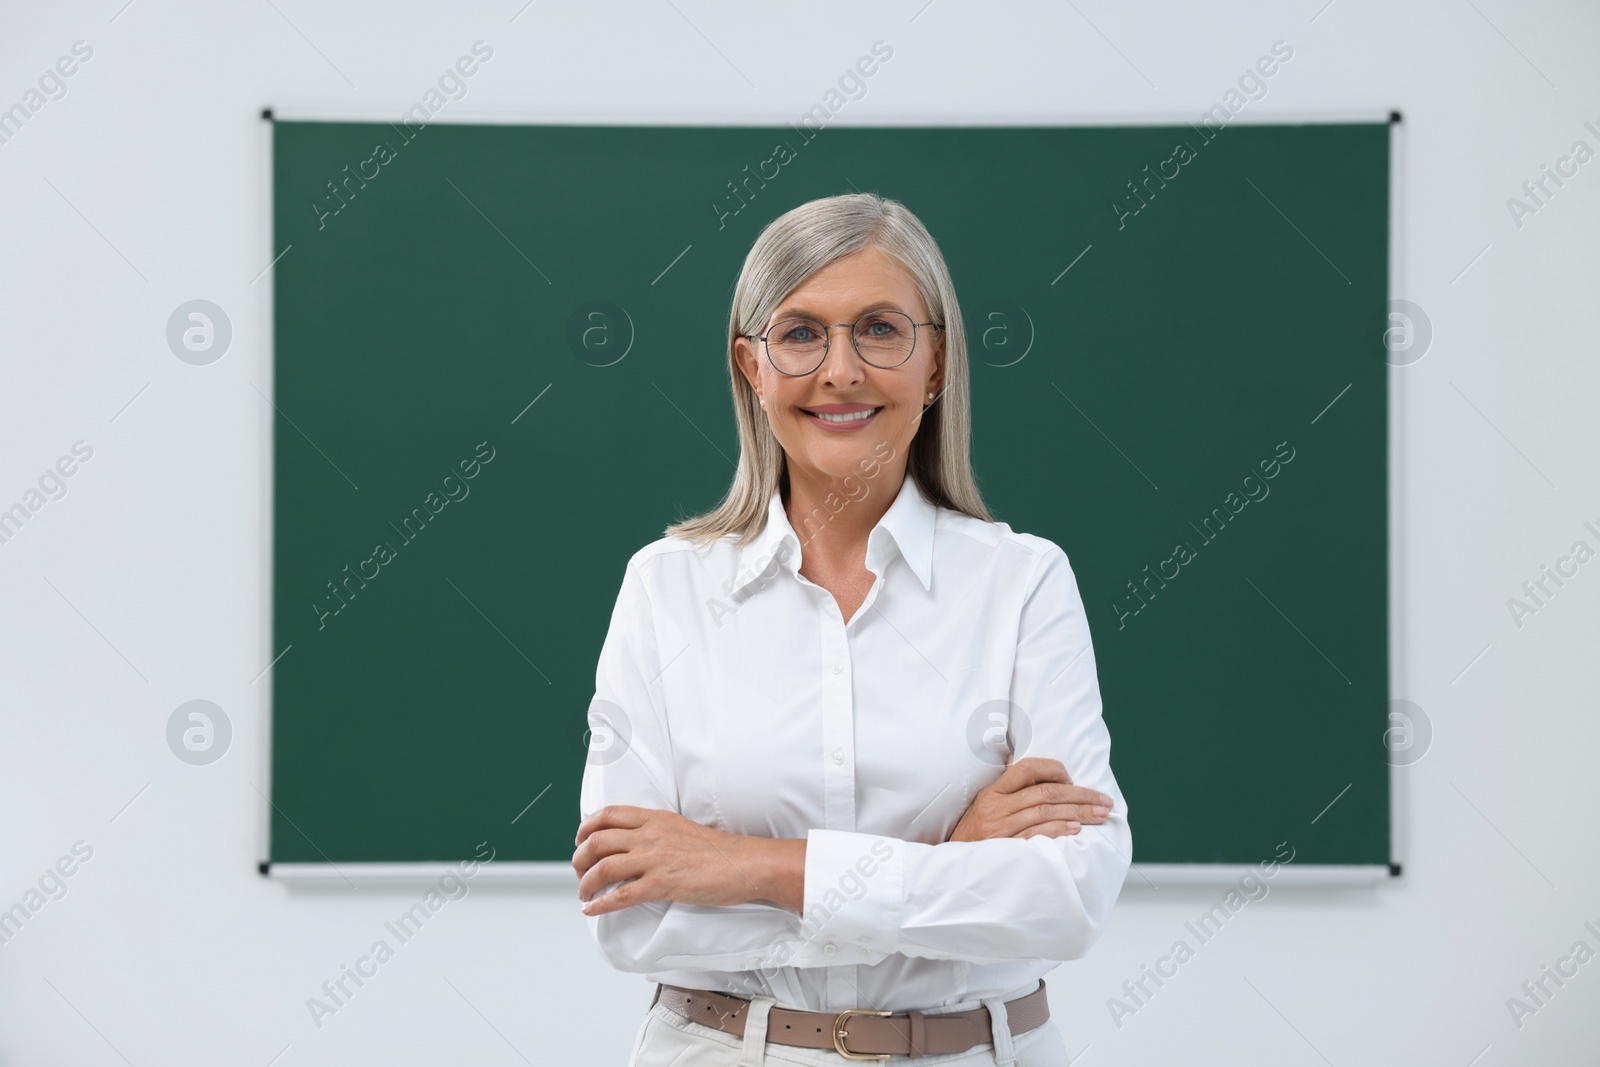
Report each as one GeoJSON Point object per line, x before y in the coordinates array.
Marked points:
{"type": "Point", "coordinates": [744, 354]}
{"type": "Point", "coordinates": [936, 380]}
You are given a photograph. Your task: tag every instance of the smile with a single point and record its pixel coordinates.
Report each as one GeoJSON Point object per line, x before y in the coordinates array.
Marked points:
{"type": "Point", "coordinates": [848, 420]}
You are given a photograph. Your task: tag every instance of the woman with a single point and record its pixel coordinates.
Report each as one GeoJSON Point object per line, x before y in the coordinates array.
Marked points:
{"type": "Point", "coordinates": [848, 754]}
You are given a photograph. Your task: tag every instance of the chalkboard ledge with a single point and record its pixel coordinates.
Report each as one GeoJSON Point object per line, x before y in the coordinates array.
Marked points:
{"type": "Point", "coordinates": [1143, 875]}
{"type": "Point", "coordinates": [330, 874]}
{"type": "Point", "coordinates": [1159, 875]}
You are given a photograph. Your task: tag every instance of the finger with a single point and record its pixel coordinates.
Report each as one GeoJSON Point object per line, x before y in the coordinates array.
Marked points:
{"type": "Point", "coordinates": [1040, 814]}
{"type": "Point", "coordinates": [618, 868]}
{"type": "Point", "coordinates": [1030, 770]}
{"type": "Point", "coordinates": [620, 815]}
{"type": "Point", "coordinates": [1084, 796]}
{"type": "Point", "coordinates": [1050, 829]}
{"type": "Point", "coordinates": [623, 896]}
{"type": "Point", "coordinates": [1061, 793]}
{"type": "Point", "coordinates": [607, 841]}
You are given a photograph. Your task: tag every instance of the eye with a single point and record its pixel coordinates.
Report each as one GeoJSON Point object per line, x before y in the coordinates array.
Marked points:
{"type": "Point", "coordinates": [881, 328]}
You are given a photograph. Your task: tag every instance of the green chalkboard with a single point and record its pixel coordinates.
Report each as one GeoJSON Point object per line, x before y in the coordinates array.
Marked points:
{"type": "Point", "coordinates": [1158, 316]}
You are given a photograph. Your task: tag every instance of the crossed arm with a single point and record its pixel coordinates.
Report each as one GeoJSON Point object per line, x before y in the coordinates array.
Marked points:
{"type": "Point", "coordinates": [661, 855]}
{"type": "Point", "coordinates": [1031, 870]}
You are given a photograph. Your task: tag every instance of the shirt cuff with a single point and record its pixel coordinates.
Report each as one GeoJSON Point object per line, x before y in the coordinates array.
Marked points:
{"type": "Point", "coordinates": [853, 896]}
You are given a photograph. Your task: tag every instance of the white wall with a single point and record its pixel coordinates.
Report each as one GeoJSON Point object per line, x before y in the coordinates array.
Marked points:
{"type": "Point", "coordinates": [145, 586]}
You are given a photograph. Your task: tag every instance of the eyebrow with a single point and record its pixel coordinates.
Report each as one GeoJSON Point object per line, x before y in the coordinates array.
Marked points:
{"type": "Point", "coordinates": [805, 313]}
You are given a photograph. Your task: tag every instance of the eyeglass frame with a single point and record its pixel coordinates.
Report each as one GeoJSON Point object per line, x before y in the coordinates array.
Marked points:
{"type": "Point", "coordinates": [827, 340]}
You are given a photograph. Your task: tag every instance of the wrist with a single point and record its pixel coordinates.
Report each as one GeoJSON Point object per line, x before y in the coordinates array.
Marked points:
{"type": "Point", "coordinates": [781, 866]}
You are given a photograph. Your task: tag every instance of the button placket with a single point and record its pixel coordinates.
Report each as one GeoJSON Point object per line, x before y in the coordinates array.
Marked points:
{"type": "Point", "coordinates": [838, 723]}
{"type": "Point", "coordinates": [838, 747]}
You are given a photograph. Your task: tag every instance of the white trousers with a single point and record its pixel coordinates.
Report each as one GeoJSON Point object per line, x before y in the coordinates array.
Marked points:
{"type": "Point", "coordinates": [667, 1039]}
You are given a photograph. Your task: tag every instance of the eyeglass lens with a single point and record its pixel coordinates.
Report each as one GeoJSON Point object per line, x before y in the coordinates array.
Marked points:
{"type": "Point", "coordinates": [883, 338]}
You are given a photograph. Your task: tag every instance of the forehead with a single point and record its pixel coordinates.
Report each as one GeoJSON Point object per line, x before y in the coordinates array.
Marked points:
{"type": "Point", "coordinates": [863, 280]}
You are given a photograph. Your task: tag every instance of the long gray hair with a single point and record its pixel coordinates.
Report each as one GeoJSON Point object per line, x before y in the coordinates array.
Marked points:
{"type": "Point", "coordinates": [789, 250]}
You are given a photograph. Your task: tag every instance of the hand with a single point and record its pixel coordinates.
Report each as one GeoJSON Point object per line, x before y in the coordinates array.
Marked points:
{"type": "Point", "coordinates": [1034, 795]}
{"type": "Point", "coordinates": [666, 856]}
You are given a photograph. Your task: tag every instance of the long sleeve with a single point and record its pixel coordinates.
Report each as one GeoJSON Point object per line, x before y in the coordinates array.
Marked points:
{"type": "Point", "coordinates": [1001, 899]}
{"type": "Point", "coordinates": [630, 762]}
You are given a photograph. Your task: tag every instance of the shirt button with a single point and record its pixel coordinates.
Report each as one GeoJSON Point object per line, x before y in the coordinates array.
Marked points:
{"type": "Point", "coordinates": [829, 949]}
{"type": "Point", "coordinates": [838, 756]}
{"type": "Point", "coordinates": [838, 668]}
{"type": "Point", "coordinates": [864, 952]}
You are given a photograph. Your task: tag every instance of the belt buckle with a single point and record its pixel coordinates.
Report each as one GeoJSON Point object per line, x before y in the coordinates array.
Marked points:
{"type": "Point", "coordinates": [839, 1034]}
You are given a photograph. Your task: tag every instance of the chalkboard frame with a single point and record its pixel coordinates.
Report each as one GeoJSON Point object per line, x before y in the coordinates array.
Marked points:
{"type": "Point", "coordinates": [1157, 873]}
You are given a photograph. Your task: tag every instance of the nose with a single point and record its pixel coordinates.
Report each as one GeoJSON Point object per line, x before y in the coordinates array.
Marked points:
{"type": "Point", "coordinates": [842, 360]}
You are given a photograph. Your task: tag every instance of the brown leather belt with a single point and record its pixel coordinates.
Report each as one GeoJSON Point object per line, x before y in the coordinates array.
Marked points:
{"type": "Point", "coordinates": [872, 1035]}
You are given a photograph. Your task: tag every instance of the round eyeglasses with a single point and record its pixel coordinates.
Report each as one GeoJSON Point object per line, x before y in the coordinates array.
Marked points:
{"type": "Point", "coordinates": [885, 339]}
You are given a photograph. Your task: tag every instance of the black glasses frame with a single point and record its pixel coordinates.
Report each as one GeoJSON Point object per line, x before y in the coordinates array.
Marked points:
{"type": "Point", "coordinates": [827, 341]}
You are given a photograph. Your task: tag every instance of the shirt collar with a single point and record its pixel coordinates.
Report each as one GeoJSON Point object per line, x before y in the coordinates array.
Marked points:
{"type": "Point", "coordinates": [907, 527]}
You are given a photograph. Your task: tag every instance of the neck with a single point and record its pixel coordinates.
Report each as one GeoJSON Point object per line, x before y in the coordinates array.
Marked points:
{"type": "Point", "coordinates": [836, 536]}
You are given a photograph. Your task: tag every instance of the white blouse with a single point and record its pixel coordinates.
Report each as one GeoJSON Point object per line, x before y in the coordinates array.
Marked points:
{"type": "Point", "coordinates": [731, 690]}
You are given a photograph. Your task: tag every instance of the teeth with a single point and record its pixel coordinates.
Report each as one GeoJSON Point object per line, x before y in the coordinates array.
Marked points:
{"type": "Point", "coordinates": [856, 416]}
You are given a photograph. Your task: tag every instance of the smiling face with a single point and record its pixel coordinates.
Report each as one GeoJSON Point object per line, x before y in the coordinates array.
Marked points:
{"type": "Point", "coordinates": [805, 412]}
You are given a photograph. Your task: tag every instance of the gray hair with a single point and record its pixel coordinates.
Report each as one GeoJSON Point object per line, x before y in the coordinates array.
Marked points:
{"type": "Point", "coordinates": [791, 248]}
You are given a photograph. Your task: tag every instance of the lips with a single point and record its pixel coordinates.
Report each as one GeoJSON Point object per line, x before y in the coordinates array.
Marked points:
{"type": "Point", "coordinates": [842, 416]}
